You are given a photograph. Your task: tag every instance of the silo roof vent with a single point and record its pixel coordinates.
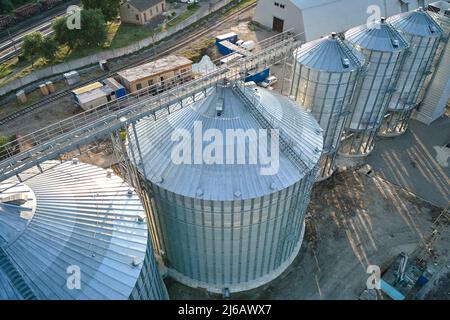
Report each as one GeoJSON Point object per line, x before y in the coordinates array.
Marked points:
{"type": "Point", "coordinates": [346, 62]}
{"type": "Point", "coordinates": [136, 261]}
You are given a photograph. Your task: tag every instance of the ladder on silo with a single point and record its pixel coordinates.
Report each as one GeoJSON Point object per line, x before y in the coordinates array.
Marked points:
{"type": "Point", "coordinates": [7, 266]}
{"type": "Point", "coordinates": [286, 144]}
{"type": "Point", "coordinates": [67, 135]}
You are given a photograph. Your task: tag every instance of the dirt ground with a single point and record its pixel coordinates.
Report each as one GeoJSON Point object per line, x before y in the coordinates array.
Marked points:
{"type": "Point", "coordinates": [356, 221]}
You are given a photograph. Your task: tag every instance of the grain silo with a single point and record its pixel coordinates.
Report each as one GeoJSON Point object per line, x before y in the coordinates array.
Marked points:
{"type": "Point", "coordinates": [384, 48]}
{"type": "Point", "coordinates": [228, 224]}
{"type": "Point", "coordinates": [423, 35]}
{"type": "Point", "coordinates": [437, 90]}
{"type": "Point", "coordinates": [74, 231]}
{"type": "Point", "coordinates": [324, 78]}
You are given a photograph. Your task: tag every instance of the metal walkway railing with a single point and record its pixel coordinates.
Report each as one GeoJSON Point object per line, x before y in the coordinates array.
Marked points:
{"type": "Point", "coordinates": [286, 144]}
{"type": "Point", "coordinates": [72, 133]}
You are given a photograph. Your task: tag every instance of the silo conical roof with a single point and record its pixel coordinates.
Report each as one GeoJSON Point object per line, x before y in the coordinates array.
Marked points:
{"type": "Point", "coordinates": [329, 54]}
{"type": "Point", "coordinates": [382, 36]}
{"type": "Point", "coordinates": [417, 22]}
{"type": "Point", "coordinates": [224, 181]}
{"type": "Point", "coordinates": [73, 214]}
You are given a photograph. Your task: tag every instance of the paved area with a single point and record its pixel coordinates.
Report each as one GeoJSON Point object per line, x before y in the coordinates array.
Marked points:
{"type": "Point", "coordinates": [356, 221]}
{"type": "Point", "coordinates": [417, 160]}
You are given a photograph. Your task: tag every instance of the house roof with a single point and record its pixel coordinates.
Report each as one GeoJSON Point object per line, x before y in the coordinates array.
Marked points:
{"type": "Point", "coordinates": [143, 5]}
{"type": "Point", "coordinates": [154, 68]}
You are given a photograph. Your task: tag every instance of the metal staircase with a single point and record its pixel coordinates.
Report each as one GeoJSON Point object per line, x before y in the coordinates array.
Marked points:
{"type": "Point", "coordinates": [7, 266]}
{"type": "Point", "coordinates": [267, 122]}
{"type": "Point", "coordinates": [53, 141]}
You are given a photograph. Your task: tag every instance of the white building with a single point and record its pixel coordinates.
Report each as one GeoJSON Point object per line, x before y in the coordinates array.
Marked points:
{"type": "Point", "coordinates": [317, 18]}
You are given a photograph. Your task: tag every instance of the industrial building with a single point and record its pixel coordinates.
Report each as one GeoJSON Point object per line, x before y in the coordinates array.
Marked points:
{"type": "Point", "coordinates": [221, 226]}
{"type": "Point", "coordinates": [423, 34]}
{"type": "Point", "coordinates": [384, 49]}
{"type": "Point", "coordinates": [437, 94]}
{"type": "Point", "coordinates": [157, 74]}
{"type": "Point", "coordinates": [97, 93]}
{"type": "Point", "coordinates": [317, 18]}
{"type": "Point", "coordinates": [324, 78]}
{"type": "Point", "coordinates": [74, 231]}
{"type": "Point", "coordinates": [141, 12]}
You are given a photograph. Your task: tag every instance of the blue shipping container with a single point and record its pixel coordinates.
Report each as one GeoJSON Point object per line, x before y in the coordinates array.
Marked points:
{"type": "Point", "coordinates": [121, 93]}
{"type": "Point", "coordinates": [224, 49]}
{"type": "Point", "coordinates": [258, 77]}
{"type": "Point", "coordinates": [231, 36]}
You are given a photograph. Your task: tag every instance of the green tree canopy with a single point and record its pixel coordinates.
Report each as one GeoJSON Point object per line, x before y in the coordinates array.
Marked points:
{"type": "Point", "coordinates": [92, 33]}
{"type": "Point", "coordinates": [32, 46]}
{"type": "Point", "coordinates": [6, 6]}
{"type": "Point", "coordinates": [36, 46]}
{"type": "Point", "coordinates": [109, 8]}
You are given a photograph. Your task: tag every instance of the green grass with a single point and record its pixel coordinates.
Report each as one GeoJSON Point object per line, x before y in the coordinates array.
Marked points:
{"type": "Point", "coordinates": [197, 51]}
{"type": "Point", "coordinates": [191, 9]}
{"type": "Point", "coordinates": [127, 34]}
{"type": "Point", "coordinates": [239, 6]}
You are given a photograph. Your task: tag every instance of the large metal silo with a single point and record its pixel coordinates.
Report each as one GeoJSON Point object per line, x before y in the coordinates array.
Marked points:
{"type": "Point", "coordinates": [324, 78]}
{"type": "Point", "coordinates": [423, 35]}
{"type": "Point", "coordinates": [74, 231]}
{"type": "Point", "coordinates": [226, 224]}
{"type": "Point", "coordinates": [384, 49]}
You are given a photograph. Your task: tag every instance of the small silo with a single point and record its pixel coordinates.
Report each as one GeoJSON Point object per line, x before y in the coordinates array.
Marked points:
{"type": "Point", "coordinates": [224, 223]}
{"type": "Point", "coordinates": [437, 92]}
{"type": "Point", "coordinates": [324, 78]}
{"type": "Point", "coordinates": [74, 231]}
{"type": "Point", "coordinates": [383, 48]}
{"type": "Point", "coordinates": [423, 34]}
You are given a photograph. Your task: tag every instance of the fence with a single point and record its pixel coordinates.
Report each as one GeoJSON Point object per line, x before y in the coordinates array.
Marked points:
{"type": "Point", "coordinates": [110, 54]}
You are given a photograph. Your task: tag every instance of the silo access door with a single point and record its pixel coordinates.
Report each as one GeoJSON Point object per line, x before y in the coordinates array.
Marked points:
{"type": "Point", "coordinates": [277, 24]}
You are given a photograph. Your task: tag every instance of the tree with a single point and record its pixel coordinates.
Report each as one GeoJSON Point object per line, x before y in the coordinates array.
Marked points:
{"type": "Point", "coordinates": [63, 35]}
{"type": "Point", "coordinates": [5, 6]}
{"type": "Point", "coordinates": [93, 29]}
{"type": "Point", "coordinates": [32, 46]}
{"type": "Point", "coordinates": [49, 48]}
{"type": "Point", "coordinates": [92, 33]}
{"type": "Point", "coordinates": [36, 46]}
{"type": "Point", "coordinates": [109, 8]}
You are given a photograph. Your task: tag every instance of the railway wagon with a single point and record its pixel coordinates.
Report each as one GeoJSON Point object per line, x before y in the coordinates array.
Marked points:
{"type": "Point", "coordinates": [26, 10]}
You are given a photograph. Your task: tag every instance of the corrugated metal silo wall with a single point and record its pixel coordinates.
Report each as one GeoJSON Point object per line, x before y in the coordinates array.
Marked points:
{"type": "Point", "coordinates": [149, 285]}
{"type": "Point", "coordinates": [237, 245]}
{"type": "Point", "coordinates": [371, 100]}
{"type": "Point", "coordinates": [410, 81]}
{"type": "Point", "coordinates": [327, 95]}
{"type": "Point", "coordinates": [436, 92]}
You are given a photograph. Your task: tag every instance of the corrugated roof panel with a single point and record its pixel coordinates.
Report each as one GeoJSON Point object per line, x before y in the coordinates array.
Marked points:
{"type": "Point", "coordinates": [222, 181]}
{"type": "Point", "coordinates": [329, 54]}
{"type": "Point", "coordinates": [83, 218]}
{"type": "Point", "coordinates": [417, 22]}
{"type": "Point", "coordinates": [382, 36]}
{"type": "Point", "coordinates": [87, 88]}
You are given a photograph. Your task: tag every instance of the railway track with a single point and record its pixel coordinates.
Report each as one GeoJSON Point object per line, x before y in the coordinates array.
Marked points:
{"type": "Point", "coordinates": [171, 48]}
{"type": "Point", "coordinates": [11, 42]}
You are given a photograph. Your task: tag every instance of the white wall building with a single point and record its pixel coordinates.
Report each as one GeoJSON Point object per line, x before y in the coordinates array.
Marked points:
{"type": "Point", "coordinates": [317, 18]}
